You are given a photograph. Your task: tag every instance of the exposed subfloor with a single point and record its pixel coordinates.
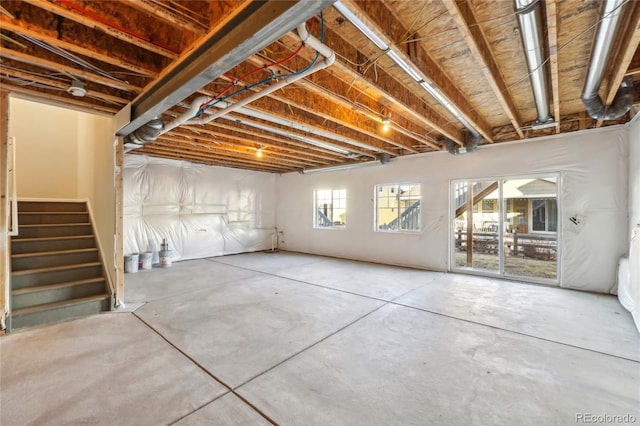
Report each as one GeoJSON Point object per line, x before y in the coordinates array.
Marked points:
{"type": "Point", "coordinates": [296, 339]}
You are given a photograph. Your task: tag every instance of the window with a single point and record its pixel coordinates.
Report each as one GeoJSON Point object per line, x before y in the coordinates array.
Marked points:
{"type": "Point", "coordinates": [398, 207]}
{"type": "Point", "coordinates": [544, 215]}
{"type": "Point", "coordinates": [330, 208]}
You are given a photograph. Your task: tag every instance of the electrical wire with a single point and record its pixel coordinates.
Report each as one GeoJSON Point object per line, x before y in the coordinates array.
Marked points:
{"type": "Point", "coordinates": [71, 57]}
{"type": "Point", "coordinates": [218, 97]}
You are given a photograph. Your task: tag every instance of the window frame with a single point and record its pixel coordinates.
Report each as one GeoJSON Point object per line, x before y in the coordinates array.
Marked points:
{"type": "Point", "coordinates": [376, 213]}
{"type": "Point", "coordinates": [316, 222]}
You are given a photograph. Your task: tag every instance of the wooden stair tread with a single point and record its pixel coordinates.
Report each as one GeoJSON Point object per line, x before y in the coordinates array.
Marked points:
{"type": "Point", "coordinates": [50, 253]}
{"type": "Point", "coordinates": [55, 286]}
{"type": "Point", "coordinates": [55, 268]}
{"type": "Point", "coordinates": [65, 237]}
{"type": "Point", "coordinates": [50, 306]}
{"type": "Point", "coordinates": [40, 225]}
{"type": "Point", "coordinates": [53, 212]}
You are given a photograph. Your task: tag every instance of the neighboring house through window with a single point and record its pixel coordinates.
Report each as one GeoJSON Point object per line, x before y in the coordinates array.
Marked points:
{"type": "Point", "coordinates": [398, 207]}
{"type": "Point", "coordinates": [330, 208]}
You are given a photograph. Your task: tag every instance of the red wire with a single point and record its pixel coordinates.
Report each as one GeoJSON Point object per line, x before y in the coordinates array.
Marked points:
{"type": "Point", "coordinates": [280, 62]}
{"type": "Point", "coordinates": [115, 26]}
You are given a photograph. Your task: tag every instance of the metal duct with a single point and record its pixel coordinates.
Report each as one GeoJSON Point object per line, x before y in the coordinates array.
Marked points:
{"type": "Point", "coordinates": [147, 133]}
{"type": "Point", "coordinates": [528, 12]}
{"type": "Point", "coordinates": [470, 145]}
{"type": "Point", "coordinates": [605, 37]}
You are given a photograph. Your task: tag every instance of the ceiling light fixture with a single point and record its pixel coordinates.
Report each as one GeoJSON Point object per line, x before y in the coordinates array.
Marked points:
{"type": "Point", "coordinates": [77, 88]}
{"type": "Point", "coordinates": [259, 152]}
{"type": "Point", "coordinates": [385, 123]}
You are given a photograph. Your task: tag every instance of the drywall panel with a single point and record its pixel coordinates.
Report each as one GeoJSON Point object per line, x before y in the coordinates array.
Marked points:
{"type": "Point", "coordinates": [593, 166]}
{"type": "Point", "coordinates": [96, 162]}
{"type": "Point", "coordinates": [201, 211]}
{"type": "Point", "coordinates": [46, 149]}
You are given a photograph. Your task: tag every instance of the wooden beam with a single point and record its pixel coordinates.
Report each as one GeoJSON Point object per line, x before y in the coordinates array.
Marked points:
{"type": "Point", "coordinates": [376, 16]}
{"type": "Point", "coordinates": [54, 66]}
{"type": "Point", "coordinates": [119, 214]}
{"type": "Point", "coordinates": [91, 23]}
{"type": "Point", "coordinates": [323, 90]}
{"type": "Point", "coordinates": [65, 102]}
{"type": "Point", "coordinates": [210, 146]}
{"type": "Point", "coordinates": [462, 14]}
{"type": "Point", "coordinates": [166, 15]}
{"type": "Point", "coordinates": [38, 34]}
{"type": "Point", "coordinates": [254, 26]}
{"type": "Point", "coordinates": [225, 142]}
{"type": "Point", "coordinates": [628, 46]}
{"type": "Point", "coordinates": [634, 71]}
{"type": "Point", "coordinates": [5, 285]}
{"type": "Point", "coordinates": [552, 37]}
{"type": "Point", "coordinates": [260, 136]}
{"type": "Point", "coordinates": [341, 142]}
{"type": "Point", "coordinates": [59, 84]}
{"type": "Point", "coordinates": [158, 148]}
{"type": "Point", "coordinates": [206, 161]}
{"type": "Point", "coordinates": [389, 92]}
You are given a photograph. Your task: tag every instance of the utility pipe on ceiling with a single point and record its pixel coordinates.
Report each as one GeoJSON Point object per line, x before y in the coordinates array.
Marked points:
{"type": "Point", "coordinates": [529, 17]}
{"type": "Point", "coordinates": [605, 36]}
{"type": "Point", "coordinates": [308, 39]}
{"type": "Point", "coordinates": [152, 130]}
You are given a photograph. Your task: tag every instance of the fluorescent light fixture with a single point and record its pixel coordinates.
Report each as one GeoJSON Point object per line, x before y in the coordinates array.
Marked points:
{"type": "Point", "coordinates": [360, 25]}
{"type": "Point", "coordinates": [405, 66]}
{"type": "Point", "coordinates": [339, 167]}
{"type": "Point", "coordinates": [411, 71]}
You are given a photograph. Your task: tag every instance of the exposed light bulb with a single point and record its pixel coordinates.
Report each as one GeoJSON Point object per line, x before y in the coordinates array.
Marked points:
{"type": "Point", "coordinates": [385, 123]}
{"type": "Point", "coordinates": [259, 152]}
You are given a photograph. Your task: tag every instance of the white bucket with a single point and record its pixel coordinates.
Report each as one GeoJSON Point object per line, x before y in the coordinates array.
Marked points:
{"type": "Point", "coordinates": [165, 258]}
{"type": "Point", "coordinates": [145, 260]}
{"type": "Point", "coordinates": [131, 263]}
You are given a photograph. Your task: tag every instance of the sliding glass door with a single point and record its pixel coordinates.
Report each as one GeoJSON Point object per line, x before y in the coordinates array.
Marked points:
{"type": "Point", "coordinates": [506, 227]}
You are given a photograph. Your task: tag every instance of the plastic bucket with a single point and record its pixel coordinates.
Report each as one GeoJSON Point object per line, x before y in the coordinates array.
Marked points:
{"type": "Point", "coordinates": [145, 260]}
{"type": "Point", "coordinates": [131, 263]}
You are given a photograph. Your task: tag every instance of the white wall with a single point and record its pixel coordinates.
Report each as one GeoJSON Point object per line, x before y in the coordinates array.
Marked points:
{"type": "Point", "coordinates": [593, 166]}
{"type": "Point", "coordinates": [201, 211]}
{"type": "Point", "coordinates": [46, 149]}
{"type": "Point", "coordinates": [66, 154]}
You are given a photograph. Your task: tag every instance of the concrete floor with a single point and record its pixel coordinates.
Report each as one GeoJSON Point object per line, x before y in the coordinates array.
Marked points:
{"type": "Point", "coordinates": [296, 339]}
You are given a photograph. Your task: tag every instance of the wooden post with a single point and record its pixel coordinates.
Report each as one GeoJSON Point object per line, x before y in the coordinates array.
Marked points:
{"type": "Point", "coordinates": [469, 224]}
{"type": "Point", "coordinates": [119, 256]}
{"type": "Point", "coordinates": [5, 286]}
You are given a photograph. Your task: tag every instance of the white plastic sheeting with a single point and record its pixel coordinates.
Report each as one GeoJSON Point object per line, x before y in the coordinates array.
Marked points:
{"type": "Point", "coordinates": [629, 269]}
{"type": "Point", "coordinates": [201, 211]}
{"type": "Point", "coordinates": [593, 169]}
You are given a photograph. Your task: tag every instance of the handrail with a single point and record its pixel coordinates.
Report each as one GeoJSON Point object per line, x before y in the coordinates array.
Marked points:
{"type": "Point", "coordinates": [13, 195]}
{"type": "Point", "coordinates": [323, 220]}
{"type": "Point", "coordinates": [407, 219]}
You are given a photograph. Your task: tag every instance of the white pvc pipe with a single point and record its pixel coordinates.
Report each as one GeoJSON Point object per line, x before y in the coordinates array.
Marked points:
{"type": "Point", "coordinates": [190, 113]}
{"type": "Point", "coordinates": [307, 39]}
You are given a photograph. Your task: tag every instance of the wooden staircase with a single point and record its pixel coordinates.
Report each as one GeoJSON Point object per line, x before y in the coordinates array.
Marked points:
{"type": "Point", "coordinates": [56, 268]}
